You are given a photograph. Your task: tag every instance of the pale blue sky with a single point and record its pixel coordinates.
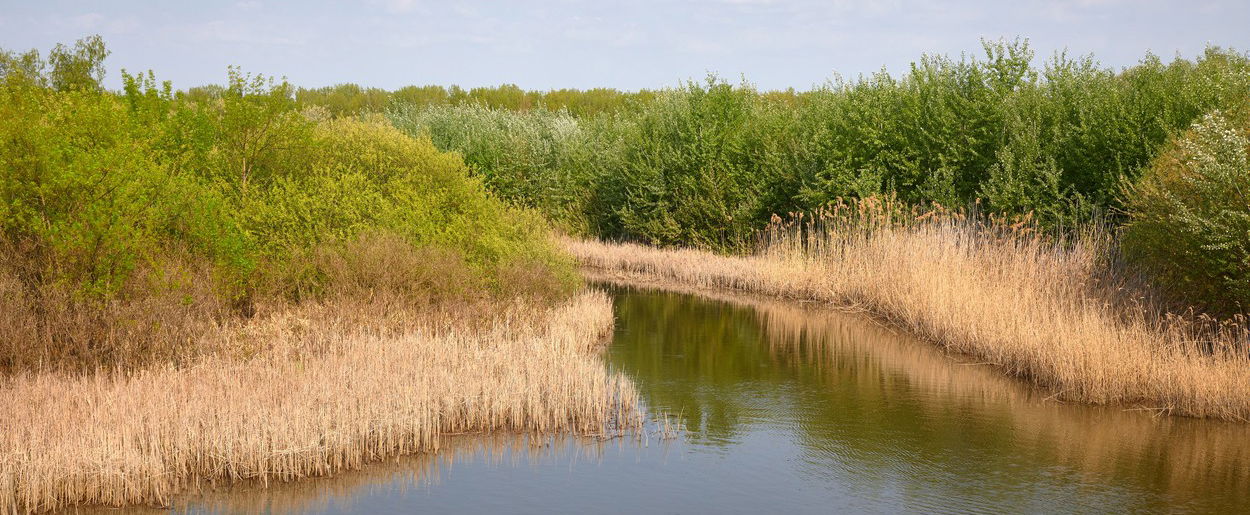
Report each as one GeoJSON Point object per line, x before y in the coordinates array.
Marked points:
{"type": "Point", "coordinates": [571, 43]}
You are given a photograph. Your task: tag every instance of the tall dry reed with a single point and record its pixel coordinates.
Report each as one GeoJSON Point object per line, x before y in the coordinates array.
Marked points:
{"type": "Point", "coordinates": [1053, 312]}
{"type": "Point", "coordinates": [282, 408]}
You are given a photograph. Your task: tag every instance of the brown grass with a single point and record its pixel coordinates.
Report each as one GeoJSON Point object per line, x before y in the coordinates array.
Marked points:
{"type": "Point", "coordinates": [177, 308]}
{"type": "Point", "coordinates": [1056, 313]}
{"type": "Point", "coordinates": [45, 324]}
{"type": "Point", "coordinates": [305, 393]}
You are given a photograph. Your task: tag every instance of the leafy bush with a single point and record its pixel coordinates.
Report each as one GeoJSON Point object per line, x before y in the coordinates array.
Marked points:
{"type": "Point", "coordinates": [686, 174]}
{"type": "Point", "coordinates": [1190, 214]}
{"type": "Point", "coordinates": [367, 176]}
{"type": "Point", "coordinates": [130, 223]}
{"type": "Point", "coordinates": [86, 195]}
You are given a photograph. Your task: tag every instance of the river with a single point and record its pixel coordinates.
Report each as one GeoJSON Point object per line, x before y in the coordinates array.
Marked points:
{"type": "Point", "coordinates": [793, 409]}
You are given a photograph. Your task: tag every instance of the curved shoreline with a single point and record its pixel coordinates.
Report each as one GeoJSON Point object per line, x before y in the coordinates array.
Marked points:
{"type": "Point", "coordinates": [143, 437]}
{"type": "Point", "coordinates": [1018, 307]}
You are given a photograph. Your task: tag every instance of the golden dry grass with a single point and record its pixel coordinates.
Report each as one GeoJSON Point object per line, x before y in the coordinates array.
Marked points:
{"type": "Point", "coordinates": [1052, 313]}
{"type": "Point", "coordinates": [290, 408]}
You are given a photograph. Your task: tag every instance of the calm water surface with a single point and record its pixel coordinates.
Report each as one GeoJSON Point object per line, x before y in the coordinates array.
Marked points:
{"type": "Point", "coordinates": [796, 410]}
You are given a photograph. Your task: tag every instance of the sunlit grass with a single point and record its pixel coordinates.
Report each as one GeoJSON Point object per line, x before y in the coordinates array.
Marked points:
{"type": "Point", "coordinates": [291, 411]}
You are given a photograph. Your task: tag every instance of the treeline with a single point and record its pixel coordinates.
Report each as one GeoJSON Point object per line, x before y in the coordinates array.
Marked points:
{"type": "Point", "coordinates": [129, 220]}
{"type": "Point", "coordinates": [353, 100]}
{"type": "Point", "coordinates": [710, 164]}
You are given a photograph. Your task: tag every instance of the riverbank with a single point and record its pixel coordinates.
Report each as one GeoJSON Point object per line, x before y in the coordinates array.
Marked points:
{"type": "Point", "coordinates": [290, 409]}
{"type": "Point", "coordinates": [1041, 311]}
{"type": "Point", "coordinates": [832, 406]}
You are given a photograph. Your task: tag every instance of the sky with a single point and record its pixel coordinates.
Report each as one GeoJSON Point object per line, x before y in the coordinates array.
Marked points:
{"type": "Point", "coordinates": [545, 44]}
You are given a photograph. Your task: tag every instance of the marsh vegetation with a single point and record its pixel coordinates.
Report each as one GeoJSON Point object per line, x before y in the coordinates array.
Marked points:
{"type": "Point", "coordinates": [217, 288]}
{"type": "Point", "coordinates": [258, 281]}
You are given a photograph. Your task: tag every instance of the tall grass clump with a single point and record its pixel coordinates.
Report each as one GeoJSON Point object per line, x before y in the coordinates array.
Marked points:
{"type": "Point", "coordinates": [1189, 216]}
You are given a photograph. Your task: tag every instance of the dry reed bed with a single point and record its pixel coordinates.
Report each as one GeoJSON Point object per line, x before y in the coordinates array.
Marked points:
{"type": "Point", "coordinates": [286, 414]}
{"type": "Point", "coordinates": [1043, 311]}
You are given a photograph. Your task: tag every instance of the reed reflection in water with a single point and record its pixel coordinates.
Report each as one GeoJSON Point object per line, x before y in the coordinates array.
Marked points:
{"type": "Point", "coordinates": [896, 417]}
{"type": "Point", "coordinates": [801, 409]}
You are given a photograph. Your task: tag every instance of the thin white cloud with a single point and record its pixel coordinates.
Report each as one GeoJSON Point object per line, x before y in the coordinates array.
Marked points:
{"type": "Point", "coordinates": [236, 32]}
{"type": "Point", "coordinates": [401, 6]}
{"type": "Point", "coordinates": [94, 23]}
{"type": "Point", "coordinates": [88, 21]}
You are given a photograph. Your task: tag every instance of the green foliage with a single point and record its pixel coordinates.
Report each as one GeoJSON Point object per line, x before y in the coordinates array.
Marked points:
{"type": "Point", "coordinates": [708, 164]}
{"type": "Point", "coordinates": [84, 192]}
{"type": "Point", "coordinates": [1190, 214]}
{"type": "Point", "coordinates": [254, 175]}
{"type": "Point", "coordinates": [354, 100]}
{"type": "Point", "coordinates": [367, 175]}
{"type": "Point", "coordinates": [80, 67]}
{"type": "Point", "coordinates": [250, 134]}
{"type": "Point", "coordinates": [538, 160]}
{"type": "Point", "coordinates": [98, 186]}
{"type": "Point", "coordinates": [346, 99]}
{"type": "Point", "coordinates": [686, 174]}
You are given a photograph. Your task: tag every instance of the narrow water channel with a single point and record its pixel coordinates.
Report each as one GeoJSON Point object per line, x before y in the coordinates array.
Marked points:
{"type": "Point", "coordinates": [794, 410]}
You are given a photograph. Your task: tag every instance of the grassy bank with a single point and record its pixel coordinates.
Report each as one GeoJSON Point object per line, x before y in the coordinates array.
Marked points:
{"type": "Point", "coordinates": [1057, 313]}
{"type": "Point", "coordinates": [296, 409]}
{"type": "Point", "coordinates": [217, 285]}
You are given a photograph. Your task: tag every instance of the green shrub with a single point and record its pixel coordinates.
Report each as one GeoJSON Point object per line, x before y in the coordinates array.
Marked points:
{"type": "Point", "coordinates": [1190, 214]}
{"type": "Point", "coordinates": [686, 173]}
{"type": "Point", "coordinates": [367, 176]}
{"type": "Point", "coordinates": [86, 193]}
{"type": "Point", "coordinates": [131, 222]}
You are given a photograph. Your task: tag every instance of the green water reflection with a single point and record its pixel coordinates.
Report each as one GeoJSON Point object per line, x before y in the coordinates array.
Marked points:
{"type": "Point", "coordinates": [879, 409]}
